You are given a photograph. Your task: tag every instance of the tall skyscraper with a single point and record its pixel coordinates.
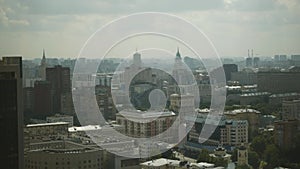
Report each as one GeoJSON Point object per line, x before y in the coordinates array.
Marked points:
{"type": "Point", "coordinates": [11, 113]}
{"type": "Point", "coordinates": [59, 77]}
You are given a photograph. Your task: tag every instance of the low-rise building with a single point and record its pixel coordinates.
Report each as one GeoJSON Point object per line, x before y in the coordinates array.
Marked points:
{"type": "Point", "coordinates": [145, 124]}
{"type": "Point", "coordinates": [234, 132]}
{"type": "Point", "coordinates": [251, 115]}
{"type": "Point", "coordinates": [47, 131]}
{"type": "Point", "coordinates": [63, 154]}
{"type": "Point", "coordinates": [228, 132]}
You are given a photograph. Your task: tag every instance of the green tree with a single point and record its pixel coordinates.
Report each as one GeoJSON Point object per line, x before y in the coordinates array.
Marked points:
{"type": "Point", "coordinates": [258, 144]}
{"type": "Point", "coordinates": [204, 156]}
{"type": "Point", "coordinates": [219, 162]}
{"type": "Point", "coordinates": [243, 167]}
{"type": "Point", "coordinates": [253, 159]}
{"type": "Point", "coordinates": [271, 156]}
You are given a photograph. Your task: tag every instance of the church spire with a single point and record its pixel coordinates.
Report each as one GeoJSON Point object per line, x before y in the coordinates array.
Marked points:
{"type": "Point", "coordinates": [44, 56]}
{"type": "Point", "coordinates": [178, 56]}
{"type": "Point", "coordinates": [42, 69]}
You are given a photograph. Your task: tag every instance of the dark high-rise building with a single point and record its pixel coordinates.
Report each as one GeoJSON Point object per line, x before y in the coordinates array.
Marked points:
{"type": "Point", "coordinates": [228, 69]}
{"type": "Point", "coordinates": [11, 113]}
{"type": "Point", "coordinates": [59, 77]}
{"type": "Point", "coordinates": [28, 99]}
{"type": "Point", "coordinates": [42, 99]}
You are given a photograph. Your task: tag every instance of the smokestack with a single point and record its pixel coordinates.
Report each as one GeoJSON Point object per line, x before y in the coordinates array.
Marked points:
{"type": "Point", "coordinates": [252, 53]}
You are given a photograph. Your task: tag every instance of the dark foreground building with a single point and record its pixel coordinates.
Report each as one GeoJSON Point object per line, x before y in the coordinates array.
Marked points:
{"type": "Point", "coordinates": [11, 116]}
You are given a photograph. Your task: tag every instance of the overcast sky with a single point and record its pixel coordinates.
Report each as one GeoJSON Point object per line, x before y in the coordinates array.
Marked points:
{"type": "Point", "coordinates": [62, 26]}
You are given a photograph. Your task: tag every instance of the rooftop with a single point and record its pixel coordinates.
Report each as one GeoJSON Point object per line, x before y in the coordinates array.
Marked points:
{"type": "Point", "coordinates": [84, 128]}
{"type": "Point", "coordinates": [161, 162]}
{"type": "Point", "coordinates": [146, 114]}
{"type": "Point", "coordinates": [255, 94]}
{"type": "Point", "coordinates": [237, 111]}
{"type": "Point", "coordinates": [285, 94]}
{"type": "Point", "coordinates": [47, 124]}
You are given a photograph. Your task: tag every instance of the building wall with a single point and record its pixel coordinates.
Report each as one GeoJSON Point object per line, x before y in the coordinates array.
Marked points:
{"type": "Point", "coordinates": [251, 116]}
{"type": "Point", "coordinates": [234, 133]}
{"type": "Point", "coordinates": [284, 132]}
{"type": "Point", "coordinates": [64, 159]}
{"type": "Point", "coordinates": [145, 129]}
{"type": "Point", "coordinates": [59, 77]}
{"type": "Point", "coordinates": [47, 130]}
{"type": "Point", "coordinates": [245, 78]}
{"type": "Point", "coordinates": [228, 69]}
{"type": "Point", "coordinates": [291, 110]}
{"type": "Point", "coordinates": [42, 99]}
{"type": "Point", "coordinates": [278, 82]}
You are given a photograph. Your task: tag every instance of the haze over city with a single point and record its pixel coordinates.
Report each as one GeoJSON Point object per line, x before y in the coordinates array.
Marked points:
{"type": "Point", "coordinates": [141, 84]}
{"type": "Point", "coordinates": [62, 27]}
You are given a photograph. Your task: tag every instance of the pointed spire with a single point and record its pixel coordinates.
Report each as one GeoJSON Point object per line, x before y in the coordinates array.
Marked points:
{"type": "Point", "coordinates": [44, 56]}
{"type": "Point", "coordinates": [178, 56]}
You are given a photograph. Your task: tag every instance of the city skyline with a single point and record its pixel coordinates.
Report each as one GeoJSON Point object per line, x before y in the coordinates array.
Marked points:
{"type": "Point", "coordinates": [269, 27]}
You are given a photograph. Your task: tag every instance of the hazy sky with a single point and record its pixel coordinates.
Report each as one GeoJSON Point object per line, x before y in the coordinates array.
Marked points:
{"type": "Point", "coordinates": [62, 26]}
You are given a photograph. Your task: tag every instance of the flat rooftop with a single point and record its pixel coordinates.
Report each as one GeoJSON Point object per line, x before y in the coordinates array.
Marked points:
{"type": "Point", "coordinates": [47, 124]}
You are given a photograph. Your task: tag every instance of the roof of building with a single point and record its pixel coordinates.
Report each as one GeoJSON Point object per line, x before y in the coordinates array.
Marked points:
{"type": "Point", "coordinates": [47, 124]}
{"type": "Point", "coordinates": [255, 94]}
{"type": "Point", "coordinates": [237, 111]}
{"type": "Point", "coordinates": [285, 94]}
{"type": "Point", "coordinates": [84, 128]}
{"type": "Point", "coordinates": [146, 114]}
{"type": "Point", "coordinates": [161, 162]}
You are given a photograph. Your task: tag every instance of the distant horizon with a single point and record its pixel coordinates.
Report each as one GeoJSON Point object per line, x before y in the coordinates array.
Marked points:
{"type": "Point", "coordinates": [221, 57]}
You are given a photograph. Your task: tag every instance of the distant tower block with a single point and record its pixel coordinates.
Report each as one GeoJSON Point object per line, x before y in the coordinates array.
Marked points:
{"type": "Point", "coordinates": [249, 59]}
{"type": "Point", "coordinates": [137, 59]}
{"type": "Point", "coordinates": [256, 61]}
